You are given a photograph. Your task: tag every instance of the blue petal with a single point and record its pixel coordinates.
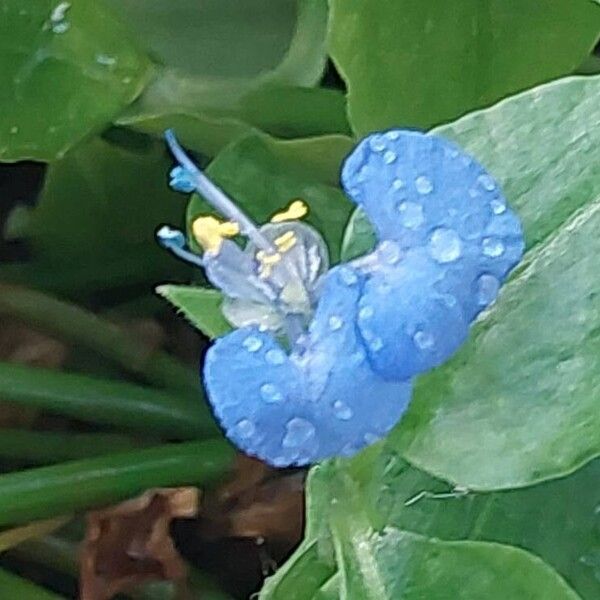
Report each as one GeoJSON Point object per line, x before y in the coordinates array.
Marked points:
{"type": "Point", "coordinates": [448, 240]}
{"type": "Point", "coordinates": [322, 400]}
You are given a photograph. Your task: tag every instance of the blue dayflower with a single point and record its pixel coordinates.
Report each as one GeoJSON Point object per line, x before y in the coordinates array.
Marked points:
{"type": "Point", "coordinates": [322, 359]}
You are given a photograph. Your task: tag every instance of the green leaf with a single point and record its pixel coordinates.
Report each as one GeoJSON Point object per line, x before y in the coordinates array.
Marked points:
{"type": "Point", "coordinates": [67, 69]}
{"type": "Point", "coordinates": [263, 180]}
{"type": "Point", "coordinates": [200, 306]}
{"type": "Point", "coordinates": [412, 64]}
{"type": "Point", "coordinates": [12, 586]}
{"type": "Point", "coordinates": [356, 504]}
{"type": "Point", "coordinates": [79, 485]}
{"type": "Point", "coordinates": [226, 38]}
{"type": "Point", "coordinates": [399, 565]}
{"type": "Point", "coordinates": [94, 225]}
{"type": "Point", "coordinates": [518, 383]}
{"type": "Point", "coordinates": [207, 115]}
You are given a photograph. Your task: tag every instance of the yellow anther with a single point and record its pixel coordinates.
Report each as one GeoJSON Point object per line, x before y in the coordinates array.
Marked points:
{"type": "Point", "coordinates": [266, 262]}
{"type": "Point", "coordinates": [296, 210]}
{"type": "Point", "coordinates": [210, 232]}
{"type": "Point", "coordinates": [286, 241]}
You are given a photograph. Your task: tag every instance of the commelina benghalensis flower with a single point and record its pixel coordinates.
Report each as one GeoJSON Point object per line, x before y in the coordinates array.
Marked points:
{"type": "Point", "coordinates": [322, 359]}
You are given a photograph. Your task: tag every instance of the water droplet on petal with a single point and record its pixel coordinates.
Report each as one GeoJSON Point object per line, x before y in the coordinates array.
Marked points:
{"type": "Point", "coordinates": [389, 252]}
{"type": "Point", "coordinates": [275, 357]}
{"type": "Point", "coordinates": [424, 340]}
{"type": "Point", "coordinates": [377, 143]}
{"type": "Point", "coordinates": [498, 206]}
{"type": "Point", "coordinates": [493, 247]}
{"type": "Point", "coordinates": [348, 276]}
{"type": "Point", "coordinates": [357, 357]}
{"type": "Point", "coordinates": [392, 135]}
{"type": "Point", "coordinates": [270, 393]}
{"type": "Point", "coordinates": [366, 312]}
{"type": "Point", "coordinates": [376, 345]}
{"type": "Point", "coordinates": [487, 289]}
{"type": "Point", "coordinates": [371, 438]}
{"type": "Point", "coordinates": [445, 245]}
{"type": "Point", "coordinates": [342, 411]}
{"type": "Point", "coordinates": [411, 214]}
{"type": "Point", "coordinates": [389, 157]}
{"type": "Point", "coordinates": [397, 184]}
{"type": "Point", "coordinates": [245, 428]}
{"type": "Point", "coordinates": [486, 182]}
{"type": "Point", "coordinates": [298, 432]}
{"type": "Point", "coordinates": [335, 322]}
{"type": "Point", "coordinates": [252, 344]}
{"type": "Point", "coordinates": [423, 185]}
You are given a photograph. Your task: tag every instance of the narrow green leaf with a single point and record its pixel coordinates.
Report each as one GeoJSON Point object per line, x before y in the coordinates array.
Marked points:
{"type": "Point", "coordinates": [200, 306]}
{"type": "Point", "coordinates": [46, 492]}
{"type": "Point", "coordinates": [12, 586]}
{"type": "Point", "coordinates": [84, 328]}
{"type": "Point", "coordinates": [123, 405]}
{"type": "Point", "coordinates": [407, 63]}
{"type": "Point", "coordinates": [67, 69]}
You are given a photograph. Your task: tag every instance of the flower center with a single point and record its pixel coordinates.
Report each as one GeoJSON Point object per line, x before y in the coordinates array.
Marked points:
{"type": "Point", "coordinates": [274, 281]}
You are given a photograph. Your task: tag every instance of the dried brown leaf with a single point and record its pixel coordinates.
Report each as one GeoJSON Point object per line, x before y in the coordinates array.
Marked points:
{"type": "Point", "coordinates": [130, 543]}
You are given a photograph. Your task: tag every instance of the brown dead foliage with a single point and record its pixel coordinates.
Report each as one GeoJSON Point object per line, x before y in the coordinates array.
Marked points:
{"type": "Point", "coordinates": [129, 544]}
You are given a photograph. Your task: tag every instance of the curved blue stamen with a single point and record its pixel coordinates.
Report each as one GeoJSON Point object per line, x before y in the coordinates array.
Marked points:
{"type": "Point", "coordinates": [173, 240]}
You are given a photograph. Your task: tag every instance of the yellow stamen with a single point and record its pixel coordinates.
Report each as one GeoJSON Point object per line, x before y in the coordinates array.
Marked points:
{"type": "Point", "coordinates": [286, 241]}
{"type": "Point", "coordinates": [296, 210]}
{"type": "Point", "coordinates": [266, 262]}
{"type": "Point", "coordinates": [210, 232]}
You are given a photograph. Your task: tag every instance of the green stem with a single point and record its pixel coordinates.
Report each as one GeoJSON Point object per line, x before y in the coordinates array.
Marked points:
{"type": "Point", "coordinates": [124, 405]}
{"type": "Point", "coordinates": [46, 492]}
{"type": "Point", "coordinates": [45, 447]}
{"type": "Point", "coordinates": [12, 586]}
{"type": "Point", "coordinates": [81, 327]}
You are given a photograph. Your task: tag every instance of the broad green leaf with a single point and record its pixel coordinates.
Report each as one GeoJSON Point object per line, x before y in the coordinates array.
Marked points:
{"type": "Point", "coordinates": [409, 63]}
{"type": "Point", "coordinates": [95, 222]}
{"type": "Point", "coordinates": [200, 306]}
{"type": "Point", "coordinates": [67, 69]}
{"type": "Point", "coordinates": [263, 181]}
{"type": "Point", "coordinates": [227, 38]}
{"type": "Point", "coordinates": [398, 565]}
{"type": "Point", "coordinates": [209, 114]}
{"type": "Point", "coordinates": [533, 144]}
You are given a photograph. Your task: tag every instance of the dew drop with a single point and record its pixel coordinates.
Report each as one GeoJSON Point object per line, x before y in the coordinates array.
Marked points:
{"type": "Point", "coordinates": [392, 135]}
{"type": "Point", "coordinates": [357, 357]}
{"type": "Point", "coordinates": [397, 184]}
{"type": "Point", "coordinates": [106, 60]}
{"type": "Point", "coordinates": [445, 245]}
{"type": "Point", "coordinates": [423, 185]}
{"type": "Point", "coordinates": [493, 247]}
{"type": "Point", "coordinates": [411, 214]}
{"type": "Point", "coordinates": [14, 130]}
{"type": "Point", "coordinates": [498, 206]}
{"type": "Point", "coordinates": [376, 344]}
{"type": "Point", "coordinates": [377, 144]}
{"type": "Point", "coordinates": [424, 340]}
{"type": "Point", "coordinates": [487, 289]}
{"type": "Point", "coordinates": [298, 432]}
{"type": "Point", "coordinates": [348, 276]}
{"type": "Point", "coordinates": [342, 411]}
{"type": "Point", "coordinates": [335, 322]}
{"type": "Point", "coordinates": [275, 357]}
{"type": "Point", "coordinates": [370, 438]}
{"type": "Point", "coordinates": [245, 428]}
{"type": "Point", "coordinates": [270, 393]}
{"type": "Point", "coordinates": [366, 312]}
{"type": "Point", "coordinates": [389, 157]}
{"type": "Point", "coordinates": [252, 344]}
{"type": "Point", "coordinates": [486, 182]}
{"type": "Point", "coordinates": [389, 251]}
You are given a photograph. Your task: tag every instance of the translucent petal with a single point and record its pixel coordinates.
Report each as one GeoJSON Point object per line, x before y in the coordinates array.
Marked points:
{"type": "Point", "coordinates": [322, 400]}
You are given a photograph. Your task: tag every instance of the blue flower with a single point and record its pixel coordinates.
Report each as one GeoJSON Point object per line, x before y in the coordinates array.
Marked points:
{"type": "Point", "coordinates": [322, 359]}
